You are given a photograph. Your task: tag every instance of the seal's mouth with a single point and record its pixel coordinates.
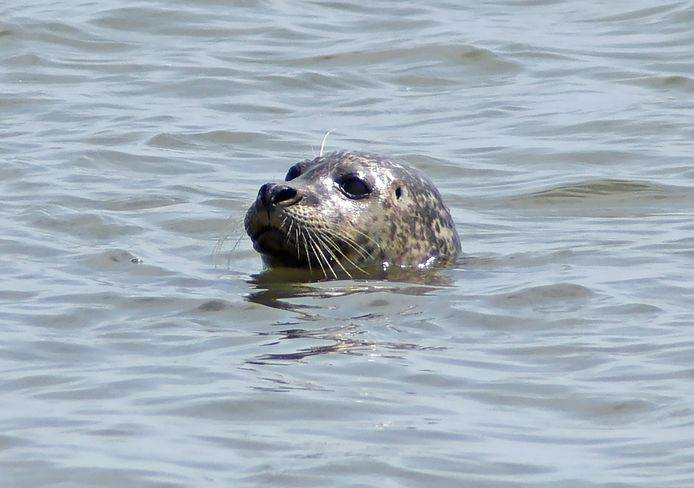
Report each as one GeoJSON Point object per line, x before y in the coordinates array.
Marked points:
{"type": "Point", "coordinates": [269, 240]}
{"type": "Point", "coordinates": [276, 247]}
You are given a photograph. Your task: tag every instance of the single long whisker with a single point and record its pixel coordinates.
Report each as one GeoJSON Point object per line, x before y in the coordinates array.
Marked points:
{"type": "Point", "coordinates": [233, 248]}
{"type": "Point", "coordinates": [325, 138]}
{"type": "Point", "coordinates": [289, 236]}
{"type": "Point", "coordinates": [308, 256]}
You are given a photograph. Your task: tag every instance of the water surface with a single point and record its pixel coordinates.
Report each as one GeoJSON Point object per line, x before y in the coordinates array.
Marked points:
{"type": "Point", "coordinates": [557, 352]}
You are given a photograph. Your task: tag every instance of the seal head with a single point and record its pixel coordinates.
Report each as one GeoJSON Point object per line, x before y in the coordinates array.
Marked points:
{"type": "Point", "coordinates": [346, 212]}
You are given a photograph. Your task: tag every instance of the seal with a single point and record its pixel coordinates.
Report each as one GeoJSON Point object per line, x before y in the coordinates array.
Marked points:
{"type": "Point", "coordinates": [350, 211]}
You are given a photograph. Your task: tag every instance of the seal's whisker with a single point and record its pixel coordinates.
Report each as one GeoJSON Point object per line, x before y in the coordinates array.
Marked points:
{"type": "Point", "coordinates": [318, 253]}
{"type": "Point", "coordinates": [325, 138]}
{"type": "Point", "coordinates": [345, 236]}
{"type": "Point", "coordinates": [222, 240]}
{"type": "Point", "coordinates": [298, 244]}
{"type": "Point", "coordinates": [220, 243]}
{"type": "Point", "coordinates": [232, 229]}
{"type": "Point", "coordinates": [322, 239]}
{"type": "Point", "coordinates": [289, 234]}
{"type": "Point", "coordinates": [335, 246]}
{"type": "Point", "coordinates": [363, 252]}
{"type": "Point", "coordinates": [307, 238]}
{"type": "Point", "coordinates": [233, 248]}
{"type": "Point", "coordinates": [308, 255]}
{"type": "Point", "coordinates": [217, 251]}
{"type": "Point", "coordinates": [342, 253]}
{"type": "Point", "coordinates": [318, 246]}
{"type": "Point", "coordinates": [370, 239]}
{"type": "Point", "coordinates": [323, 247]}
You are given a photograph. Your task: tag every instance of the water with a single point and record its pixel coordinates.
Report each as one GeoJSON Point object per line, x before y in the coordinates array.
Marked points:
{"type": "Point", "coordinates": [558, 352]}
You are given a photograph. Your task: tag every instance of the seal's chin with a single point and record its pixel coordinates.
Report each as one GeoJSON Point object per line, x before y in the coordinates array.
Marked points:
{"type": "Point", "coordinates": [273, 244]}
{"type": "Point", "coordinates": [269, 240]}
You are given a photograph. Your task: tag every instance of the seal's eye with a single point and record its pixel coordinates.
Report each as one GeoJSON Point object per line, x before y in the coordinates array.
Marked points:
{"type": "Point", "coordinates": [293, 172]}
{"type": "Point", "coordinates": [354, 187]}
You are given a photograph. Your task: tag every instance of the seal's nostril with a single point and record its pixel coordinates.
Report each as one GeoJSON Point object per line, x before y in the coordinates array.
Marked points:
{"type": "Point", "coordinates": [265, 192]}
{"type": "Point", "coordinates": [282, 193]}
{"type": "Point", "coordinates": [272, 194]}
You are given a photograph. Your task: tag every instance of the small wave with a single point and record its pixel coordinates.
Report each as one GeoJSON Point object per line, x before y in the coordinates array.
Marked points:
{"type": "Point", "coordinates": [604, 191]}
{"type": "Point", "coordinates": [80, 225]}
{"type": "Point", "coordinates": [664, 82]}
{"type": "Point", "coordinates": [552, 296]}
{"type": "Point", "coordinates": [56, 33]}
{"type": "Point", "coordinates": [167, 140]}
{"type": "Point", "coordinates": [462, 54]}
{"type": "Point", "coordinates": [599, 188]}
{"type": "Point", "coordinates": [642, 14]}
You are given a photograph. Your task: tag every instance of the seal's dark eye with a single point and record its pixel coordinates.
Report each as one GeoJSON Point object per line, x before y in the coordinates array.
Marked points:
{"type": "Point", "coordinates": [354, 187]}
{"type": "Point", "coordinates": [293, 172]}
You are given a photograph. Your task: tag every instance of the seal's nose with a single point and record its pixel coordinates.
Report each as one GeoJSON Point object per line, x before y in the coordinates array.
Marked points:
{"type": "Point", "coordinates": [272, 194]}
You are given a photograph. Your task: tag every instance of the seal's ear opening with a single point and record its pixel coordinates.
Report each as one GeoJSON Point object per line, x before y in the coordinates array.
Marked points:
{"type": "Point", "coordinates": [398, 192]}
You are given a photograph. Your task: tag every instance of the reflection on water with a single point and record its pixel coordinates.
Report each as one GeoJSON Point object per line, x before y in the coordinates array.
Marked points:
{"type": "Point", "coordinates": [344, 340]}
{"type": "Point", "coordinates": [275, 286]}
{"type": "Point", "coordinates": [341, 340]}
{"type": "Point", "coordinates": [295, 290]}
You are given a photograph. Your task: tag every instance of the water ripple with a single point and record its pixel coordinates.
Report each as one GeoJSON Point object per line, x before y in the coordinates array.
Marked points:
{"type": "Point", "coordinates": [556, 352]}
